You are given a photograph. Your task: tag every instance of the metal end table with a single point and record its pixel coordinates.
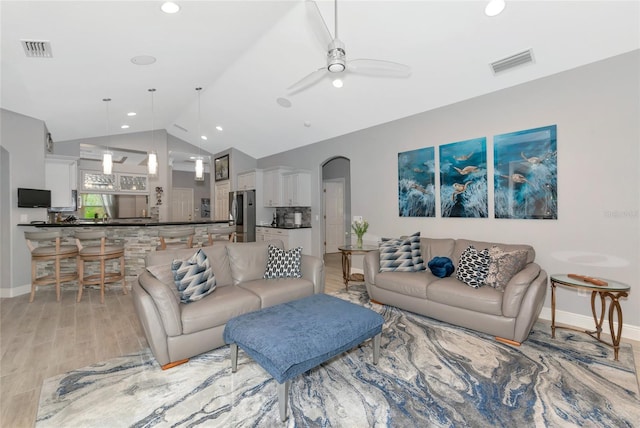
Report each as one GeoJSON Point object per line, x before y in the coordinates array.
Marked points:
{"type": "Point", "coordinates": [613, 291]}
{"type": "Point", "coordinates": [347, 251]}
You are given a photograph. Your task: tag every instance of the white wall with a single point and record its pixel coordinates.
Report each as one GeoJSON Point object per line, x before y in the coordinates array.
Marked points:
{"type": "Point", "coordinates": [596, 110]}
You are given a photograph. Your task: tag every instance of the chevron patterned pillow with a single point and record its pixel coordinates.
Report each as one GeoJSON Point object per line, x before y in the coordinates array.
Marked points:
{"type": "Point", "coordinates": [193, 277]}
{"type": "Point", "coordinates": [283, 264]}
{"type": "Point", "coordinates": [396, 255]}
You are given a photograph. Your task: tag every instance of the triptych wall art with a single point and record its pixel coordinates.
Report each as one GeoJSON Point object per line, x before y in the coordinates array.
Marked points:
{"type": "Point", "coordinates": [524, 177]}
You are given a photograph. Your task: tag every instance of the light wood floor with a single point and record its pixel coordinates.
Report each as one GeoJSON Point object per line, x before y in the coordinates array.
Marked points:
{"type": "Point", "coordinates": [46, 338]}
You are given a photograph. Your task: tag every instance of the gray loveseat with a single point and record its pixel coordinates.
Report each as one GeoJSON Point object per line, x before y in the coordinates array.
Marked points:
{"type": "Point", "coordinates": [508, 314]}
{"type": "Point", "coordinates": [177, 331]}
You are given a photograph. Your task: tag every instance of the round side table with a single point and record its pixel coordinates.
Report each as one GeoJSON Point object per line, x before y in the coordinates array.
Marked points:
{"type": "Point", "coordinates": [611, 292]}
{"type": "Point", "coordinates": [347, 251]}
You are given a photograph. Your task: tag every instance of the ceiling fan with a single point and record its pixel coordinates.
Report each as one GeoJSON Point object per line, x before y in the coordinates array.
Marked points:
{"type": "Point", "coordinates": [337, 63]}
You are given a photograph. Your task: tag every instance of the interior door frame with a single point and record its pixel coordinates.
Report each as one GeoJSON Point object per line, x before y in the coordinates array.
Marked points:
{"type": "Point", "coordinates": [342, 182]}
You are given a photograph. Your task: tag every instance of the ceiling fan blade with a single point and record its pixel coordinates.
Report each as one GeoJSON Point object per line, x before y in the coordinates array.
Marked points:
{"type": "Point", "coordinates": [307, 81]}
{"type": "Point", "coordinates": [318, 24]}
{"type": "Point", "coordinates": [377, 67]}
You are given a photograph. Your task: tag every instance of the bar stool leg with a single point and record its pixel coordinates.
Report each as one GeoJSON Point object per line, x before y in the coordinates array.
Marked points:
{"type": "Point", "coordinates": [33, 281]}
{"type": "Point", "coordinates": [102, 275]}
{"type": "Point", "coordinates": [80, 263]}
{"type": "Point", "coordinates": [124, 280]}
{"type": "Point", "coordinates": [57, 264]}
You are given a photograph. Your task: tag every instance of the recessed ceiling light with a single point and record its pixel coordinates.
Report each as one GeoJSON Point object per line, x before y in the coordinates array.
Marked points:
{"type": "Point", "coordinates": [219, 128]}
{"type": "Point", "coordinates": [283, 102]}
{"type": "Point", "coordinates": [495, 7]}
{"type": "Point", "coordinates": [125, 127]}
{"type": "Point", "coordinates": [169, 7]}
{"type": "Point", "coordinates": [131, 113]}
{"type": "Point", "coordinates": [143, 60]}
{"type": "Point", "coordinates": [204, 137]}
{"type": "Point", "coordinates": [338, 83]}
{"type": "Point", "coordinates": [307, 124]}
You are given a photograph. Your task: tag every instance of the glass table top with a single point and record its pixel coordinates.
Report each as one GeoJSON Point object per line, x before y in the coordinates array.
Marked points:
{"type": "Point", "coordinates": [574, 282]}
{"type": "Point", "coordinates": [356, 248]}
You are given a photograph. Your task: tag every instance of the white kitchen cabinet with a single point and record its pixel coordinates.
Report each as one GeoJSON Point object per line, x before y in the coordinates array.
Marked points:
{"type": "Point", "coordinates": [61, 178]}
{"type": "Point", "coordinates": [291, 238]}
{"type": "Point", "coordinates": [97, 182]}
{"type": "Point", "coordinates": [221, 201]}
{"type": "Point", "coordinates": [296, 189]}
{"type": "Point", "coordinates": [272, 187]}
{"type": "Point", "coordinates": [247, 180]}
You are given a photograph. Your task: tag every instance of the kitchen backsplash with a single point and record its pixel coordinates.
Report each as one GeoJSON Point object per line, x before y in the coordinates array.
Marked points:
{"type": "Point", "coordinates": [286, 216]}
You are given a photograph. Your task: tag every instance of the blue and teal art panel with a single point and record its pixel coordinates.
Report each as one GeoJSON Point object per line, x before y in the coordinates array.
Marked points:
{"type": "Point", "coordinates": [526, 174]}
{"type": "Point", "coordinates": [463, 179]}
{"type": "Point", "coordinates": [416, 183]}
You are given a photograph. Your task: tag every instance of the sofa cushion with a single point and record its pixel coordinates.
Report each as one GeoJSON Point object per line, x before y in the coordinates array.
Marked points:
{"type": "Point", "coordinates": [437, 247]}
{"type": "Point", "coordinates": [396, 255]}
{"type": "Point", "coordinates": [473, 267]}
{"type": "Point", "coordinates": [193, 277]}
{"type": "Point", "coordinates": [503, 265]}
{"type": "Point", "coordinates": [407, 283]}
{"type": "Point", "coordinates": [275, 291]}
{"type": "Point", "coordinates": [450, 291]}
{"type": "Point", "coordinates": [462, 244]}
{"type": "Point", "coordinates": [283, 264]}
{"type": "Point", "coordinates": [217, 308]}
{"type": "Point", "coordinates": [248, 260]}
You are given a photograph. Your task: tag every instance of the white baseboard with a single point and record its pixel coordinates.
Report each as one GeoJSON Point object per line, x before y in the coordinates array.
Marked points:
{"type": "Point", "coordinates": [586, 322]}
{"type": "Point", "coordinates": [15, 291]}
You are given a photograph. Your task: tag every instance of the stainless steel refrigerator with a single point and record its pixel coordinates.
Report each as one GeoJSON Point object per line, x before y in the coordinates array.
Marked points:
{"type": "Point", "coordinates": [242, 213]}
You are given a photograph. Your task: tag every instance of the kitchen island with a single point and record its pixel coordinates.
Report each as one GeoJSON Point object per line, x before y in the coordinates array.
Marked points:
{"type": "Point", "coordinates": [138, 237]}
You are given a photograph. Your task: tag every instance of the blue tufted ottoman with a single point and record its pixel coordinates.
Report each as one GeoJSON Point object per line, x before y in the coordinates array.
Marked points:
{"type": "Point", "coordinates": [293, 337]}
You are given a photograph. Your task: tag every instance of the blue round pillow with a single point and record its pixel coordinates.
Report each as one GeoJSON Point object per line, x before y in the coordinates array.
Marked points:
{"type": "Point", "coordinates": [441, 266]}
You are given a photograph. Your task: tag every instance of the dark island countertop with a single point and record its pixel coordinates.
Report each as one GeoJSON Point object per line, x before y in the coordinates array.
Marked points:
{"type": "Point", "coordinates": [283, 227]}
{"type": "Point", "coordinates": [116, 223]}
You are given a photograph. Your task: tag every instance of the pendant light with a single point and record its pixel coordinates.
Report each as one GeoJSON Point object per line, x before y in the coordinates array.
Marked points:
{"type": "Point", "coordinates": [152, 160]}
{"type": "Point", "coordinates": [107, 157]}
{"type": "Point", "coordinates": [199, 162]}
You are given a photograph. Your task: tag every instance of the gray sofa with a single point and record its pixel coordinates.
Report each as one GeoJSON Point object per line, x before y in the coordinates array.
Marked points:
{"type": "Point", "coordinates": [177, 331]}
{"type": "Point", "coordinates": [508, 314]}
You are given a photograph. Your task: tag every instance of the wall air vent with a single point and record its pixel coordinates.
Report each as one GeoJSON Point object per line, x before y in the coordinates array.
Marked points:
{"type": "Point", "coordinates": [512, 61]}
{"type": "Point", "coordinates": [37, 48]}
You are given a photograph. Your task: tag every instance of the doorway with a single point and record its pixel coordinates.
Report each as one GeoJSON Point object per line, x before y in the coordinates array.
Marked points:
{"type": "Point", "coordinates": [181, 204]}
{"type": "Point", "coordinates": [336, 203]}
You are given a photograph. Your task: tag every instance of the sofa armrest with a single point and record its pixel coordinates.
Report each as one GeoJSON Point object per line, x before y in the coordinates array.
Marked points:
{"type": "Point", "coordinates": [165, 300]}
{"type": "Point", "coordinates": [516, 289]}
{"type": "Point", "coordinates": [313, 270]}
{"type": "Point", "coordinates": [371, 266]}
{"type": "Point", "coordinates": [151, 323]}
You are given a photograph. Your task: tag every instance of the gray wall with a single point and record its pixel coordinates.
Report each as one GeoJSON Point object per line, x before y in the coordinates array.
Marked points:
{"type": "Point", "coordinates": [596, 110]}
{"type": "Point", "coordinates": [22, 140]}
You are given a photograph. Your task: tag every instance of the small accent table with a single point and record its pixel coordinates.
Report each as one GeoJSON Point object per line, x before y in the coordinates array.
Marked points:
{"type": "Point", "coordinates": [347, 251]}
{"type": "Point", "coordinates": [613, 291]}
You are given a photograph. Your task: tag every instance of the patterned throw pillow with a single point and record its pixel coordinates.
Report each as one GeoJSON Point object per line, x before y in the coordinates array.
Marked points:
{"type": "Point", "coordinates": [283, 264]}
{"type": "Point", "coordinates": [414, 242]}
{"type": "Point", "coordinates": [396, 255]}
{"type": "Point", "coordinates": [193, 277]}
{"type": "Point", "coordinates": [473, 267]}
{"type": "Point", "coordinates": [503, 265]}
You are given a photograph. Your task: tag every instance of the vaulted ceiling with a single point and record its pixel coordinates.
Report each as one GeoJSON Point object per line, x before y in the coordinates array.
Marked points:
{"type": "Point", "coordinates": [245, 54]}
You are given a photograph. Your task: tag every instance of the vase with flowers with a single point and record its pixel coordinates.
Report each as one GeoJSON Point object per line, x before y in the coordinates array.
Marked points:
{"type": "Point", "coordinates": [360, 228]}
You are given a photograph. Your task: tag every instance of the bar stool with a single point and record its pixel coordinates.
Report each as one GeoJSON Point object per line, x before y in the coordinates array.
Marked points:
{"type": "Point", "coordinates": [221, 234]}
{"type": "Point", "coordinates": [176, 233]}
{"type": "Point", "coordinates": [45, 253]}
{"type": "Point", "coordinates": [98, 253]}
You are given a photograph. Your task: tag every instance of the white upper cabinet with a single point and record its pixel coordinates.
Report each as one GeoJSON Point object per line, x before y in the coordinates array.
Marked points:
{"type": "Point", "coordinates": [61, 178]}
{"type": "Point", "coordinates": [296, 189]}
{"type": "Point", "coordinates": [247, 180]}
{"type": "Point", "coordinates": [272, 187]}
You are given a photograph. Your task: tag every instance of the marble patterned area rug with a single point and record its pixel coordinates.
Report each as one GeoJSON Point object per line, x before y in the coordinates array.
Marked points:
{"type": "Point", "coordinates": [430, 374]}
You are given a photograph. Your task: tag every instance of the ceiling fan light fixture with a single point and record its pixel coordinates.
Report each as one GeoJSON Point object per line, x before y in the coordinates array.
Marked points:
{"type": "Point", "coordinates": [494, 7]}
{"type": "Point", "coordinates": [337, 83]}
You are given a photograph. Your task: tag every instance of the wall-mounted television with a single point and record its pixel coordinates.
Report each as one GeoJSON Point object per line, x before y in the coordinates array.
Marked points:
{"type": "Point", "coordinates": [34, 198]}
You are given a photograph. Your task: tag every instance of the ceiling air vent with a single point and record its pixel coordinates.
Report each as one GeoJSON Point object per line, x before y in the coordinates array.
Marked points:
{"type": "Point", "coordinates": [512, 61]}
{"type": "Point", "coordinates": [182, 128]}
{"type": "Point", "coordinates": [37, 48]}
